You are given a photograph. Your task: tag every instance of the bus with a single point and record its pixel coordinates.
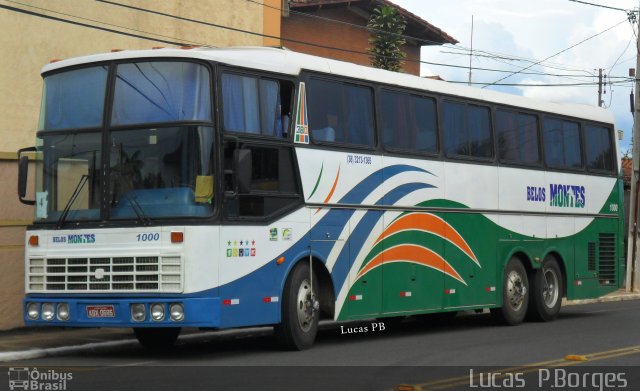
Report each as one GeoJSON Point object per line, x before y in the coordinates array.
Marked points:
{"type": "Point", "coordinates": [223, 188]}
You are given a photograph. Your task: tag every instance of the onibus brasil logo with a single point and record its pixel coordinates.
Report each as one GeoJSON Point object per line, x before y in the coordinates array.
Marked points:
{"type": "Point", "coordinates": [38, 380]}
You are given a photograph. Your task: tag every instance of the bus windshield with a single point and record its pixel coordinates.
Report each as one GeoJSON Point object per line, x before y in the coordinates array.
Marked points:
{"type": "Point", "coordinates": [152, 157]}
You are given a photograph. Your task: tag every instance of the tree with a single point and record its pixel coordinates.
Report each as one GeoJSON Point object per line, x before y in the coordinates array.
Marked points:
{"type": "Point", "coordinates": [386, 27]}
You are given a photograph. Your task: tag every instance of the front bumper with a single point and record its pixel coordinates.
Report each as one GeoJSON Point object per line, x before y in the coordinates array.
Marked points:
{"type": "Point", "coordinates": [198, 311]}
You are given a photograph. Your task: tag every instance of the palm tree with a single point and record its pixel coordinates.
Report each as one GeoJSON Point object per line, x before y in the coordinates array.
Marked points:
{"type": "Point", "coordinates": [386, 27]}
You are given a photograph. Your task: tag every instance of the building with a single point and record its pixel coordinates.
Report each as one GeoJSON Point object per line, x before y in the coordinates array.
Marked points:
{"type": "Point", "coordinates": [307, 21]}
{"type": "Point", "coordinates": [35, 34]}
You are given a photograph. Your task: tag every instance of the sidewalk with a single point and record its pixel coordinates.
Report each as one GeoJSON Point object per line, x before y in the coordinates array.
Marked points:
{"type": "Point", "coordinates": [42, 341]}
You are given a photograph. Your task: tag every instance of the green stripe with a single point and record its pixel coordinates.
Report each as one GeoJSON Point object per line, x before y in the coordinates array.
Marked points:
{"type": "Point", "coordinates": [317, 182]}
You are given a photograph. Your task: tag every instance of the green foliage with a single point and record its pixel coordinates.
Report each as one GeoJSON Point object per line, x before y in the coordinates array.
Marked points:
{"type": "Point", "coordinates": [386, 27]}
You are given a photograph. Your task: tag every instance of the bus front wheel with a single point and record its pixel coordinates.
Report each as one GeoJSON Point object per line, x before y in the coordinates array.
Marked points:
{"type": "Point", "coordinates": [157, 338]}
{"type": "Point", "coordinates": [546, 292]}
{"type": "Point", "coordinates": [515, 294]}
{"type": "Point", "coordinates": [300, 310]}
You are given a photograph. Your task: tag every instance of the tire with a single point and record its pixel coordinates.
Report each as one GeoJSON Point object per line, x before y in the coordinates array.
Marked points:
{"type": "Point", "coordinates": [300, 313]}
{"type": "Point", "coordinates": [547, 286]}
{"type": "Point", "coordinates": [515, 294]}
{"type": "Point", "coordinates": [157, 338]}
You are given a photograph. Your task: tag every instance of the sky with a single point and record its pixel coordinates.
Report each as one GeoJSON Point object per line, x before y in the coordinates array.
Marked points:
{"type": "Point", "coordinates": [535, 30]}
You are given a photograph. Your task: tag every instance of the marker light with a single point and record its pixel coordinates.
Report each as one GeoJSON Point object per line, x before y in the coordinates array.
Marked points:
{"type": "Point", "coordinates": [34, 240]}
{"type": "Point", "coordinates": [48, 311]}
{"type": "Point", "coordinates": [177, 237]}
{"type": "Point", "coordinates": [138, 312]}
{"type": "Point", "coordinates": [176, 311]}
{"type": "Point", "coordinates": [33, 311]}
{"type": "Point", "coordinates": [63, 311]}
{"type": "Point", "coordinates": [157, 312]}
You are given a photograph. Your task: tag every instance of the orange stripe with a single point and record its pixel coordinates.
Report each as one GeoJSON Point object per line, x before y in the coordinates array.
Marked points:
{"type": "Point", "coordinates": [429, 223]}
{"type": "Point", "coordinates": [333, 188]}
{"type": "Point", "coordinates": [412, 253]}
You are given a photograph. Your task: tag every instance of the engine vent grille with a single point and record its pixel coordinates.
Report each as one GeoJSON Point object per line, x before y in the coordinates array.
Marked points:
{"type": "Point", "coordinates": [591, 256]}
{"type": "Point", "coordinates": [607, 258]}
{"type": "Point", "coordinates": [105, 274]}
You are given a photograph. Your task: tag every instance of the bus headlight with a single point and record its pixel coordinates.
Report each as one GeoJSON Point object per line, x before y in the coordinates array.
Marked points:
{"type": "Point", "coordinates": [157, 312]}
{"type": "Point", "coordinates": [48, 311]}
{"type": "Point", "coordinates": [33, 311]}
{"type": "Point", "coordinates": [176, 311]}
{"type": "Point", "coordinates": [63, 311]}
{"type": "Point", "coordinates": [138, 312]}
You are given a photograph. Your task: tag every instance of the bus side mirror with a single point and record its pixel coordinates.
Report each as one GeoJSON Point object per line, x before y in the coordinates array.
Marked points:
{"type": "Point", "coordinates": [243, 168]}
{"type": "Point", "coordinates": [23, 175]}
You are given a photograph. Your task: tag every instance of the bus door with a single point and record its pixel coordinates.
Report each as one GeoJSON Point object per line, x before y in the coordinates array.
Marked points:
{"type": "Point", "coordinates": [329, 240]}
{"type": "Point", "coordinates": [470, 251]}
{"type": "Point", "coordinates": [365, 279]}
{"type": "Point", "coordinates": [413, 265]}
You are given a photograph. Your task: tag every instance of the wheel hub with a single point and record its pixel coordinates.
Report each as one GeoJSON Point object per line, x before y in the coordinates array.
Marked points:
{"type": "Point", "coordinates": [550, 288]}
{"type": "Point", "coordinates": [516, 290]}
{"type": "Point", "coordinates": [306, 305]}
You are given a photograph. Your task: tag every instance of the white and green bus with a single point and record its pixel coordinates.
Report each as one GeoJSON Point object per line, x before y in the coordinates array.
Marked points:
{"type": "Point", "coordinates": [222, 188]}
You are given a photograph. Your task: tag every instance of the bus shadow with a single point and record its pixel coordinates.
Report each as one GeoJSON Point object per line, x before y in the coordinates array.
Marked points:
{"type": "Point", "coordinates": [207, 346]}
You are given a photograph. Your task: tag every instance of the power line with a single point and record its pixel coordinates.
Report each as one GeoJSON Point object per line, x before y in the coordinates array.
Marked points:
{"type": "Point", "coordinates": [558, 53]}
{"type": "Point", "coordinates": [599, 5]}
{"type": "Point", "coordinates": [19, 10]}
{"type": "Point", "coordinates": [528, 73]}
{"type": "Point", "coordinates": [589, 84]}
{"type": "Point", "coordinates": [239, 30]}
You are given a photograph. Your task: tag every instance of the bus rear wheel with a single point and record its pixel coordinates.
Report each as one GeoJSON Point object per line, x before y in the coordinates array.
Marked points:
{"type": "Point", "coordinates": [157, 338]}
{"type": "Point", "coordinates": [300, 310]}
{"type": "Point", "coordinates": [546, 294]}
{"type": "Point", "coordinates": [515, 294]}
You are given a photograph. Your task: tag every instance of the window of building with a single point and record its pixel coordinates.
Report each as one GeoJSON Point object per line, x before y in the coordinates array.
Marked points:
{"type": "Point", "coordinates": [408, 122]}
{"type": "Point", "coordinates": [562, 143]}
{"type": "Point", "coordinates": [517, 137]}
{"type": "Point", "coordinates": [467, 130]}
{"type": "Point", "coordinates": [599, 148]}
{"type": "Point", "coordinates": [340, 113]}
{"type": "Point", "coordinates": [256, 105]}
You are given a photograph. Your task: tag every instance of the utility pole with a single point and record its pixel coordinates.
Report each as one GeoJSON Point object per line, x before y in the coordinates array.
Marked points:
{"type": "Point", "coordinates": [600, 87]}
{"type": "Point", "coordinates": [471, 51]}
{"type": "Point", "coordinates": [632, 281]}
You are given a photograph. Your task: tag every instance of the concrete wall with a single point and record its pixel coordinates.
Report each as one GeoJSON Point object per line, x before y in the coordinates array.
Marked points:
{"type": "Point", "coordinates": [330, 34]}
{"type": "Point", "coordinates": [30, 41]}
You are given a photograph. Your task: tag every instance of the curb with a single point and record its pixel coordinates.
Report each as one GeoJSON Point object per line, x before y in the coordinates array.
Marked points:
{"type": "Point", "coordinates": [603, 299]}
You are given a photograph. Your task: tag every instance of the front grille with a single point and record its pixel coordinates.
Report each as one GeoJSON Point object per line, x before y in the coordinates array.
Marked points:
{"type": "Point", "coordinates": [116, 274]}
{"type": "Point", "coordinates": [607, 258]}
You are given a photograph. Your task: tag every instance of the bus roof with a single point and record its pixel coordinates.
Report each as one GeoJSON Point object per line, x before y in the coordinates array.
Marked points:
{"type": "Point", "coordinates": [292, 63]}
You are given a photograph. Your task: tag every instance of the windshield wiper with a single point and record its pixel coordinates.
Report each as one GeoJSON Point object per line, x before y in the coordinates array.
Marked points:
{"type": "Point", "coordinates": [137, 209]}
{"type": "Point", "coordinates": [76, 192]}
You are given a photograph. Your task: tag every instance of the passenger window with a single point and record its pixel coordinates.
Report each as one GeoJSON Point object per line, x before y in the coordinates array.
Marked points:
{"type": "Point", "coordinates": [340, 112]}
{"type": "Point", "coordinates": [467, 130]}
{"type": "Point", "coordinates": [408, 122]}
{"type": "Point", "coordinates": [256, 105]}
{"type": "Point", "coordinates": [517, 137]}
{"type": "Point", "coordinates": [599, 149]}
{"type": "Point", "coordinates": [562, 143]}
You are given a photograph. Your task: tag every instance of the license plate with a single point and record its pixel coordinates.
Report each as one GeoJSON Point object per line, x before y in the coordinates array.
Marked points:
{"type": "Point", "coordinates": [101, 311]}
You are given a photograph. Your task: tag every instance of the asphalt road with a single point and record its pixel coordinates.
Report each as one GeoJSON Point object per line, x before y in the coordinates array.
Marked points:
{"type": "Point", "coordinates": [432, 355]}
